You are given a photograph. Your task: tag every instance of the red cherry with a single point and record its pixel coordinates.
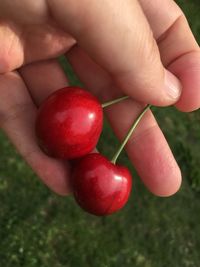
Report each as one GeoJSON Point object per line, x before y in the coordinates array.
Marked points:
{"type": "Point", "coordinates": [69, 123]}
{"type": "Point", "coordinates": [100, 187]}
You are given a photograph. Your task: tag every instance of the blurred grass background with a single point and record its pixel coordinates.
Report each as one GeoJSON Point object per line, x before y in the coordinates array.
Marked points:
{"type": "Point", "coordinates": [41, 229]}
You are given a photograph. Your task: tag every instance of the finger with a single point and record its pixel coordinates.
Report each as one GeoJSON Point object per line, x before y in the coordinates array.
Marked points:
{"type": "Point", "coordinates": [43, 78]}
{"type": "Point", "coordinates": [11, 49]}
{"type": "Point", "coordinates": [33, 42]}
{"type": "Point", "coordinates": [147, 149]}
{"type": "Point", "coordinates": [17, 117]}
{"type": "Point", "coordinates": [117, 36]}
{"type": "Point", "coordinates": [179, 50]}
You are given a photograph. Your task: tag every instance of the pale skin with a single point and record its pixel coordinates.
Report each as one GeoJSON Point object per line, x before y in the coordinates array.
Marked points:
{"type": "Point", "coordinates": [144, 49]}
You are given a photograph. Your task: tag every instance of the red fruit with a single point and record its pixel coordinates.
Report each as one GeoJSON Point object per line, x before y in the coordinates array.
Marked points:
{"type": "Point", "coordinates": [69, 123]}
{"type": "Point", "coordinates": [99, 186]}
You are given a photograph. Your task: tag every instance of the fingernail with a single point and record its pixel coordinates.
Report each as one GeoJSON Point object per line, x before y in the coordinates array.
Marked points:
{"type": "Point", "coordinates": [172, 85]}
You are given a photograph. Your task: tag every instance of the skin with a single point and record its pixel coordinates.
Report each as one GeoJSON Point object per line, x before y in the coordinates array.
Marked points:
{"type": "Point", "coordinates": [116, 48]}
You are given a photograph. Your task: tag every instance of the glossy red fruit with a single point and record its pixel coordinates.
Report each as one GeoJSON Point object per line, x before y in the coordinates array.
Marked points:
{"type": "Point", "coordinates": [99, 186]}
{"type": "Point", "coordinates": [69, 123]}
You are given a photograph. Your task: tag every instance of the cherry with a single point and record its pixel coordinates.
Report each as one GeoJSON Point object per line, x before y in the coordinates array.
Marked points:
{"type": "Point", "coordinates": [69, 123]}
{"type": "Point", "coordinates": [100, 187]}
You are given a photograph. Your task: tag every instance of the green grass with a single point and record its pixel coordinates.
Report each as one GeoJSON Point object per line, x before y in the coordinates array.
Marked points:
{"type": "Point", "coordinates": [41, 229]}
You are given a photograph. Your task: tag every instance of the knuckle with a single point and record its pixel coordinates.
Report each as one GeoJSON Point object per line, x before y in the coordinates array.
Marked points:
{"type": "Point", "coordinates": [149, 61]}
{"type": "Point", "coordinates": [148, 50]}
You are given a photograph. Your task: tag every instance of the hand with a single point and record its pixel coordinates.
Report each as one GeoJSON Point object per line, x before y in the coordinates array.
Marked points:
{"type": "Point", "coordinates": [115, 47]}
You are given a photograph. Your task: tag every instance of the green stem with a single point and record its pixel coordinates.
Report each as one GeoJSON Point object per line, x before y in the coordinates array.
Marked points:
{"type": "Point", "coordinates": [115, 101]}
{"type": "Point", "coordinates": [127, 137]}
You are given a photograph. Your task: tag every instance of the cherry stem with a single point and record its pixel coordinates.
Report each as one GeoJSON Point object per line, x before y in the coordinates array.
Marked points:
{"type": "Point", "coordinates": [127, 137]}
{"type": "Point", "coordinates": [115, 101]}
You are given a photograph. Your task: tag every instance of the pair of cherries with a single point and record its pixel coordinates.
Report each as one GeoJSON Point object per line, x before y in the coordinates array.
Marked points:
{"type": "Point", "coordinates": [68, 126]}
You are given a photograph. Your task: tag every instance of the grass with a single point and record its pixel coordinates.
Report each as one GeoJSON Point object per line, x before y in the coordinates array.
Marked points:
{"type": "Point", "coordinates": [41, 229]}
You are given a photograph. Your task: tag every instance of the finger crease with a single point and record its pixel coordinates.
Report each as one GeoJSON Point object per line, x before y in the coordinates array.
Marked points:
{"type": "Point", "coordinates": [14, 112]}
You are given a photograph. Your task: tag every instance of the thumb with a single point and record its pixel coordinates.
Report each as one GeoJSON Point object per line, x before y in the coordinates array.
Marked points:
{"type": "Point", "coordinates": [117, 36]}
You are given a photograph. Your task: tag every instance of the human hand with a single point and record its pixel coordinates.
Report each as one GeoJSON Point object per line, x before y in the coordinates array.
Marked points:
{"type": "Point", "coordinates": [111, 47]}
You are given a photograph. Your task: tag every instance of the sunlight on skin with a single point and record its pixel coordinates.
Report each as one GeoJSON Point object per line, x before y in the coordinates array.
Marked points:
{"type": "Point", "coordinates": [29, 34]}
